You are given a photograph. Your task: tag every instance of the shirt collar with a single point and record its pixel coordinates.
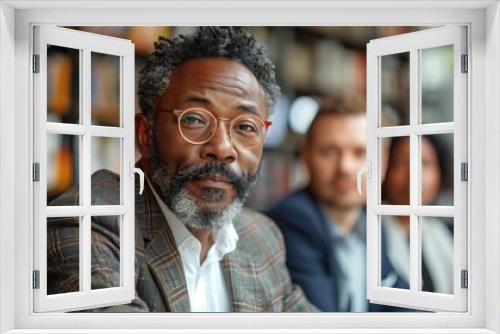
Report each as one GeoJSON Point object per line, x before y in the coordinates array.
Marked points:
{"type": "Point", "coordinates": [225, 238]}
{"type": "Point", "coordinates": [359, 228]}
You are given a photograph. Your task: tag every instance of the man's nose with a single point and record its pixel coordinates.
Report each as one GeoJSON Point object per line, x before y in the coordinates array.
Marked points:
{"type": "Point", "coordinates": [220, 147]}
{"type": "Point", "coordinates": [348, 164]}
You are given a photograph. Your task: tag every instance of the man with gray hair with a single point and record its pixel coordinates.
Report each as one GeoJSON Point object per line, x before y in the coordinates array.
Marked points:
{"type": "Point", "coordinates": [205, 99]}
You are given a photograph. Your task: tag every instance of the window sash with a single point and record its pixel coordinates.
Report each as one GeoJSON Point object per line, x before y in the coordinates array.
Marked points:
{"type": "Point", "coordinates": [413, 43]}
{"type": "Point", "coordinates": [86, 43]}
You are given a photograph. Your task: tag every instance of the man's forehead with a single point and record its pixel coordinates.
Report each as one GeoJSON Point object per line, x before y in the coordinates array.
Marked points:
{"type": "Point", "coordinates": [340, 122]}
{"type": "Point", "coordinates": [202, 76]}
{"type": "Point", "coordinates": [215, 68]}
{"type": "Point", "coordinates": [343, 129]}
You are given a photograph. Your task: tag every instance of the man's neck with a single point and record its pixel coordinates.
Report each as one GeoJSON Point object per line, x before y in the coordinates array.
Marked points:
{"type": "Point", "coordinates": [344, 218]}
{"type": "Point", "coordinates": [206, 240]}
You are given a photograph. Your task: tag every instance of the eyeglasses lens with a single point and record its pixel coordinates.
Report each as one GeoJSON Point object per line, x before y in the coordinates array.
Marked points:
{"type": "Point", "coordinates": [198, 126]}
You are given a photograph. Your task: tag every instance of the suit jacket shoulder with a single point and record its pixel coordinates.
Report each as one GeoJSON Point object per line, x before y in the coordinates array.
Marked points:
{"type": "Point", "coordinates": [300, 213]}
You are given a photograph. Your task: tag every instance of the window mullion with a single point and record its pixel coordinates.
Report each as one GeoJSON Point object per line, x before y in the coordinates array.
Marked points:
{"type": "Point", "coordinates": [85, 231]}
{"type": "Point", "coordinates": [414, 170]}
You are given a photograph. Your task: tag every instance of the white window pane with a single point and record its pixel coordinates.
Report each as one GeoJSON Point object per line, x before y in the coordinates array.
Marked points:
{"type": "Point", "coordinates": [106, 155]}
{"type": "Point", "coordinates": [63, 161]}
{"type": "Point", "coordinates": [105, 252]}
{"type": "Point", "coordinates": [105, 81]}
{"type": "Point", "coordinates": [395, 89]}
{"type": "Point", "coordinates": [437, 169]}
{"type": "Point", "coordinates": [396, 242]}
{"type": "Point", "coordinates": [437, 84]}
{"type": "Point", "coordinates": [396, 185]}
{"type": "Point", "coordinates": [437, 254]}
{"type": "Point", "coordinates": [63, 88]}
{"type": "Point", "coordinates": [63, 255]}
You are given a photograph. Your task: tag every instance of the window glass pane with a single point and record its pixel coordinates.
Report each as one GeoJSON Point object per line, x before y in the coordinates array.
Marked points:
{"type": "Point", "coordinates": [63, 84]}
{"type": "Point", "coordinates": [437, 169]}
{"type": "Point", "coordinates": [396, 185]}
{"type": "Point", "coordinates": [437, 84]}
{"type": "Point", "coordinates": [437, 254]}
{"type": "Point", "coordinates": [395, 255]}
{"type": "Point", "coordinates": [63, 155]}
{"type": "Point", "coordinates": [105, 252]}
{"type": "Point", "coordinates": [105, 89]}
{"type": "Point", "coordinates": [106, 154]}
{"type": "Point", "coordinates": [63, 246]}
{"type": "Point", "coordinates": [395, 89]}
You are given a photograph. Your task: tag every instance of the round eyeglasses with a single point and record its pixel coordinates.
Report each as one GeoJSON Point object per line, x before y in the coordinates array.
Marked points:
{"type": "Point", "coordinates": [198, 126]}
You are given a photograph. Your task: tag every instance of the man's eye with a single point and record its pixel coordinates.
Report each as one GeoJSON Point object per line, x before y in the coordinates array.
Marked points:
{"type": "Point", "coordinates": [328, 151]}
{"type": "Point", "coordinates": [247, 127]}
{"type": "Point", "coordinates": [193, 120]}
{"type": "Point", "coordinates": [360, 153]}
{"type": "Point", "coordinates": [331, 152]}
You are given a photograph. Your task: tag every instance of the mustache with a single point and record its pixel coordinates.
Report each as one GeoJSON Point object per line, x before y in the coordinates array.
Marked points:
{"type": "Point", "coordinates": [196, 172]}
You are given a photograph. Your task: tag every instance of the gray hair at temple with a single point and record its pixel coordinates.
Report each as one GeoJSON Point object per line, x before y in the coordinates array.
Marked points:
{"type": "Point", "coordinates": [234, 43]}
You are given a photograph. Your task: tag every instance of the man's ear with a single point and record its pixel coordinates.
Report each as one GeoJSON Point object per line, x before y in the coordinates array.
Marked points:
{"type": "Point", "coordinates": [142, 135]}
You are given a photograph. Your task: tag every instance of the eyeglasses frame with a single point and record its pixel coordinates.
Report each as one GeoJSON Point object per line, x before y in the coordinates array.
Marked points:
{"type": "Point", "coordinates": [178, 113]}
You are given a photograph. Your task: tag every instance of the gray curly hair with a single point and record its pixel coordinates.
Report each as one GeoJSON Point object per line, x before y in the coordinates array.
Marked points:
{"type": "Point", "coordinates": [235, 43]}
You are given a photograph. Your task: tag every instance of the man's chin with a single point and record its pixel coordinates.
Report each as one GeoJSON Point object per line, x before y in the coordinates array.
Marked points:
{"type": "Point", "coordinates": [203, 215]}
{"type": "Point", "coordinates": [348, 204]}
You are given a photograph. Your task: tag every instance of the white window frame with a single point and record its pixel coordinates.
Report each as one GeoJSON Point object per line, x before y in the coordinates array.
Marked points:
{"type": "Point", "coordinates": [16, 19]}
{"type": "Point", "coordinates": [85, 43]}
{"type": "Point", "coordinates": [413, 43]}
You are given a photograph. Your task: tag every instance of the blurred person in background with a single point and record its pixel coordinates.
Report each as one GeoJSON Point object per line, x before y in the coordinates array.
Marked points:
{"type": "Point", "coordinates": [324, 224]}
{"type": "Point", "coordinates": [437, 235]}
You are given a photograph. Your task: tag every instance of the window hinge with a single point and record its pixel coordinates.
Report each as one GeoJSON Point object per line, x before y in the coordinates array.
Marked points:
{"type": "Point", "coordinates": [36, 172]}
{"type": "Point", "coordinates": [36, 63]}
{"type": "Point", "coordinates": [465, 64]}
{"type": "Point", "coordinates": [36, 279]}
{"type": "Point", "coordinates": [464, 279]}
{"type": "Point", "coordinates": [464, 171]}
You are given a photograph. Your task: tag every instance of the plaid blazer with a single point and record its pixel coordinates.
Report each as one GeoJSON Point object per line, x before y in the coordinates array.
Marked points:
{"type": "Point", "coordinates": [255, 271]}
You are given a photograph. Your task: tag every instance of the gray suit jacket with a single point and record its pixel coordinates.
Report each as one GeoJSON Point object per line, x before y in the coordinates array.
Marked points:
{"type": "Point", "coordinates": [255, 272]}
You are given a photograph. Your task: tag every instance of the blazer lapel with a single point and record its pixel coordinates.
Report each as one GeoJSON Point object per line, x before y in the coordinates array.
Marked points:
{"type": "Point", "coordinates": [241, 278]}
{"type": "Point", "coordinates": [165, 264]}
{"type": "Point", "coordinates": [161, 252]}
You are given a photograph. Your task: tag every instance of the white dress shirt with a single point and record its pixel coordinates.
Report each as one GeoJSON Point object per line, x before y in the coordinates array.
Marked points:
{"type": "Point", "coordinates": [350, 252]}
{"type": "Point", "coordinates": [207, 289]}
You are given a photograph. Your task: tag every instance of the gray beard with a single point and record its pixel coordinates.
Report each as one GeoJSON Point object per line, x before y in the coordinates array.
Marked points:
{"type": "Point", "coordinates": [191, 215]}
{"type": "Point", "coordinates": [184, 206]}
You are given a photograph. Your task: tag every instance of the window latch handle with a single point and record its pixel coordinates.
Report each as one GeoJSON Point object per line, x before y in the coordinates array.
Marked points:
{"type": "Point", "coordinates": [366, 169]}
{"type": "Point", "coordinates": [133, 171]}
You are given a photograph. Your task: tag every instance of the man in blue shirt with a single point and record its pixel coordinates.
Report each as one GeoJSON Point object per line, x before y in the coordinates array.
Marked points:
{"type": "Point", "coordinates": [324, 224]}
